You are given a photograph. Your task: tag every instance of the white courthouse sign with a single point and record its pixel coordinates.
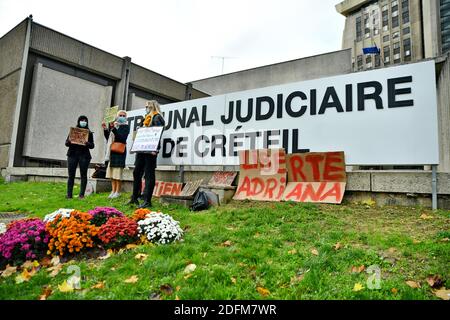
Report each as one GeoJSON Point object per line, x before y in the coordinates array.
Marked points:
{"type": "Point", "coordinates": [381, 117]}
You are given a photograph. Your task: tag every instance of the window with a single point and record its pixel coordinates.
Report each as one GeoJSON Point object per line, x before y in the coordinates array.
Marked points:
{"type": "Point", "coordinates": [396, 48]}
{"type": "Point", "coordinates": [395, 35]}
{"type": "Point", "coordinates": [407, 49]}
{"type": "Point", "coordinates": [377, 60]}
{"type": "Point", "coordinates": [369, 62]}
{"type": "Point", "coordinates": [405, 17]}
{"type": "Point", "coordinates": [394, 22]}
{"type": "Point", "coordinates": [358, 29]}
{"type": "Point", "coordinates": [360, 62]}
{"type": "Point", "coordinates": [387, 55]}
{"type": "Point", "coordinates": [406, 30]}
{"type": "Point", "coordinates": [386, 38]}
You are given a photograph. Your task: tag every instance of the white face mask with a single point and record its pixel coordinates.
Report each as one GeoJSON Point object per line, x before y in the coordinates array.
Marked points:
{"type": "Point", "coordinates": [83, 124]}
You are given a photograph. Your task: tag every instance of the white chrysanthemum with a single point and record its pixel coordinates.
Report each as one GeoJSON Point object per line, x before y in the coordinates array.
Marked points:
{"type": "Point", "coordinates": [160, 228]}
{"type": "Point", "coordinates": [2, 228]}
{"type": "Point", "coordinates": [64, 212]}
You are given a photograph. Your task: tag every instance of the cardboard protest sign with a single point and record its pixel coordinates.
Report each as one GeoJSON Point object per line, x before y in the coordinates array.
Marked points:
{"type": "Point", "coordinates": [78, 136]}
{"type": "Point", "coordinates": [191, 188]}
{"type": "Point", "coordinates": [262, 175]}
{"type": "Point", "coordinates": [110, 114]}
{"type": "Point", "coordinates": [315, 177]}
{"type": "Point", "coordinates": [147, 139]}
{"type": "Point", "coordinates": [222, 178]}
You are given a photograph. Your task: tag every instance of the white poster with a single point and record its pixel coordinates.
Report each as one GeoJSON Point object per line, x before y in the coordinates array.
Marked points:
{"type": "Point", "coordinates": [147, 139]}
{"type": "Point", "coordinates": [381, 117]}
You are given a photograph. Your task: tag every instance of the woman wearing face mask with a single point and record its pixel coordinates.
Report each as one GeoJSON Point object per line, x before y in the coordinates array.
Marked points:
{"type": "Point", "coordinates": [145, 163]}
{"type": "Point", "coordinates": [79, 155]}
{"type": "Point", "coordinates": [116, 151]}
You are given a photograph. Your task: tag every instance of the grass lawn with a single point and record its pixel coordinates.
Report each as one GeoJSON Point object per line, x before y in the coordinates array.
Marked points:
{"type": "Point", "coordinates": [253, 250]}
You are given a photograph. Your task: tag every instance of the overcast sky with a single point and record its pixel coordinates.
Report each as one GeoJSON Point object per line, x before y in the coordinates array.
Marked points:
{"type": "Point", "coordinates": [178, 38]}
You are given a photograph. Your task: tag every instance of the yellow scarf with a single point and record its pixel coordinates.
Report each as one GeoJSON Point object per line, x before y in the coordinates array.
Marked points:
{"type": "Point", "coordinates": [149, 118]}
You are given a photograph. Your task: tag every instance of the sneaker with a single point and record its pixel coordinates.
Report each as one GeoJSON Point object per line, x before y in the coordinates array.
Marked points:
{"type": "Point", "coordinates": [146, 204]}
{"type": "Point", "coordinates": [81, 197]}
{"type": "Point", "coordinates": [69, 196]}
{"type": "Point", "coordinates": [111, 195]}
{"type": "Point", "coordinates": [115, 195]}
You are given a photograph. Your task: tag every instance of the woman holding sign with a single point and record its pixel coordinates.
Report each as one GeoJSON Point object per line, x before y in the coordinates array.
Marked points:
{"type": "Point", "coordinates": [145, 163]}
{"type": "Point", "coordinates": [79, 141]}
{"type": "Point", "coordinates": [116, 151]}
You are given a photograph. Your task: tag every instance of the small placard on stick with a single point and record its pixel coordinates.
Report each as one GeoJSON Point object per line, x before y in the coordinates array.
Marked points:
{"type": "Point", "coordinates": [78, 136]}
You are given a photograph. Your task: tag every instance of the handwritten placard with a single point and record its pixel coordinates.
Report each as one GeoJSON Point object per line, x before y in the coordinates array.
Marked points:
{"type": "Point", "coordinates": [110, 114]}
{"type": "Point", "coordinates": [147, 139]}
{"type": "Point", "coordinates": [78, 136]}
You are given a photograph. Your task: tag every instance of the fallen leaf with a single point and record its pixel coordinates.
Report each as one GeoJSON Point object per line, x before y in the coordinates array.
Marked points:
{"type": "Point", "coordinates": [233, 280]}
{"type": "Point", "coordinates": [141, 256]}
{"type": "Point", "coordinates": [190, 268]}
{"type": "Point", "coordinates": [45, 293]}
{"type": "Point", "coordinates": [293, 251]}
{"type": "Point", "coordinates": [25, 276]}
{"type": "Point", "coordinates": [65, 287]}
{"type": "Point", "coordinates": [108, 254]}
{"type": "Point", "coordinates": [45, 262]}
{"type": "Point", "coordinates": [435, 281]}
{"type": "Point", "coordinates": [154, 296]}
{"type": "Point", "coordinates": [369, 202]}
{"type": "Point", "coordinates": [55, 270]}
{"type": "Point", "coordinates": [394, 290]}
{"type": "Point", "coordinates": [445, 240]}
{"type": "Point", "coordinates": [131, 246]}
{"type": "Point", "coordinates": [391, 250]}
{"type": "Point", "coordinates": [113, 269]}
{"type": "Point", "coordinates": [337, 246]}
{"type": "Point", "coordinates": [55, 260]}
{"type": "Point", "coordinates": [358, 287]}
{"type": "Point", "coordinates": [358, 269]}
{"type": "Point", "coordinates": [297, 278]}
{"type": "Point", "coordinates": [178, 288]}
{"type": "Point", "coordinates": [177, 298]}
{"type": "Point", "coordinates": [263, 291]}
{"type": "Point", "coordinates": [30, 264]}
{"type": "Point", "coordinates": [9, 271]}
{"type": "Point", "coordinates": [426, 217]}
{"type": "Point", "coordinates": [315, 252]}
{"type": "Point", "coordinates": [166, 289]}
{"type": "Point", "coordinates": [132, 279]}
{"type": "Point", "coordinates": [187, 276]}
{"type": "Point", "coordinates": [413, 284]}
{"type": "Point", "coordinates": [99, 285]}
{"type": "Point", "coordinates": [416, 241]}
{"type": "Point", "coordinates": [443, 293]}
{"type": "Point", "coordinates": [226, 243]}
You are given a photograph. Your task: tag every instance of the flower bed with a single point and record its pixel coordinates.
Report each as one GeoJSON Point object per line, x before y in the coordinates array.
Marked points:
{"type": "Point", "coordinates": [101, 214]}
{"type": "Point", "coordinates": [118, 231]}
{"type": "Point", "coordinates": [71, 234]}
{"type": "Point", "coordinates": [23, 240]}
{"type": "Point", "coordinates": [160, 228]}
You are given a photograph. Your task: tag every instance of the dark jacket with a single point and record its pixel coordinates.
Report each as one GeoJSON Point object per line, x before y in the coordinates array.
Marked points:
{"type": "Point", "coordinates": [76, 150]}
{"type": "Point", "coordinates": [117, 160]}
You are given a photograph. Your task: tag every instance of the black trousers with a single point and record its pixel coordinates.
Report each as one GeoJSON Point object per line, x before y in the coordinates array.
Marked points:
{"type": "Point", "coordinates": [144, 165]}
{"type": "Point", "coordinates": [72, 164]}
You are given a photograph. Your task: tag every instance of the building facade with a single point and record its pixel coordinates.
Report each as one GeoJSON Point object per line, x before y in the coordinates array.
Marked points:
{"type": "Point", "coordinates": [402, 30]}
{"type": "Point", "coordinates": [48, 79]}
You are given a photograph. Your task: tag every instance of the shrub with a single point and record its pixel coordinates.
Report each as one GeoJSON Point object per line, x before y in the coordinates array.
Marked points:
{"type": "Point", "coordinates": [101, 214]}
{"type": "Point", "coordinates": [160, 228]}
{"type": "Point", "coordinates": [71, 234]}
{"type": "Point", "coordinates": [118, 231]}
{"type": "Point", "coordinates": [23, 240]}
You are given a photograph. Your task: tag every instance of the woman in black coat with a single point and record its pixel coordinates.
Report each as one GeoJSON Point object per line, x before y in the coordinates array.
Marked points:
{"type": "Point", "coordinates": [116, 134]}
{"type": "Point", "coordinates": [79, 155]}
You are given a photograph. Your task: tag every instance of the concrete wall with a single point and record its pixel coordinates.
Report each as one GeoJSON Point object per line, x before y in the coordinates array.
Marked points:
{"type": "Point", "coordinates": [57, 99]}
{"type": "Point", "coordinates": [11, 53]}
{"type": "Point", "coordinates": [443, 93]}
{"type": "Point", "coordinates": [431, 28]}
{"type": "Point", "coordinates": [324, 65]}
{"type": "Point", "coordinates": [72, 51]}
